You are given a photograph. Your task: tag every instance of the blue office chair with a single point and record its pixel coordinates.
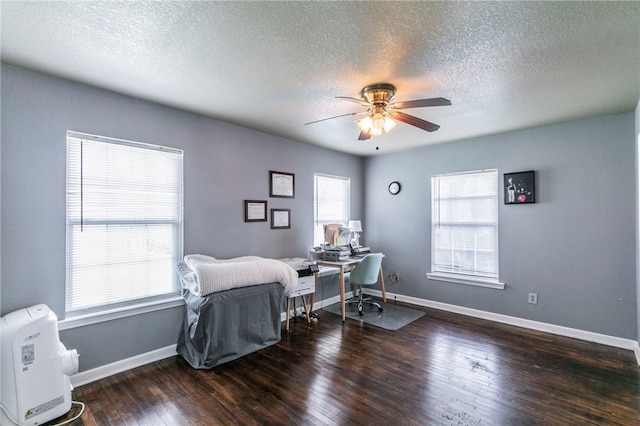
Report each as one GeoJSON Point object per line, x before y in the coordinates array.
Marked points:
{"type": "Point", "coordinates": [365, 273]}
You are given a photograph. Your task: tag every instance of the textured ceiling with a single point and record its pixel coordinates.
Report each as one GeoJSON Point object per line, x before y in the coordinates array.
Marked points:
{"type": "Point", "coordinates": [273, 66]}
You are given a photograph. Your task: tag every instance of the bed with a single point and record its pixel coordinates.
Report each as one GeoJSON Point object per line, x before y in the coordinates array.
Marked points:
{"type": "Point", "coordinates": [232, 307]}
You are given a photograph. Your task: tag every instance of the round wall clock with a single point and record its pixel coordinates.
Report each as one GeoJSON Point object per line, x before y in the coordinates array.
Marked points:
{"type": "Point", "coordinates": [394, 188]}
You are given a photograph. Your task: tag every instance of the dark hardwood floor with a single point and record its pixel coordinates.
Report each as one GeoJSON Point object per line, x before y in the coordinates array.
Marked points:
{"type": "Point", "coordinates": [442, 369]}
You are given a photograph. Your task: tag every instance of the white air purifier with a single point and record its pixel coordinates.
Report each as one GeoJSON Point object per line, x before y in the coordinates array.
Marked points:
{"type": "Point", "coordinates": [35, 367]}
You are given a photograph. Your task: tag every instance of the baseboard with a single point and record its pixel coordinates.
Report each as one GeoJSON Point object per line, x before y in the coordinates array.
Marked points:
{"type": "Point", "coordinates": [589, 336]}
{"type": "Point", "coordinates": [101, 372]}
{"type": "Point", "coordinates": [326, 302]}
{"type": "Point", "coordinates": [85, 377]}
{"type": "Point", "coordinates": [317, 305]}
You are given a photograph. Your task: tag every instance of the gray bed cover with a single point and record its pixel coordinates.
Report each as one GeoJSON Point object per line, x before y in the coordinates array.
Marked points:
{"type": "Point", "coordinates": [224, 326]}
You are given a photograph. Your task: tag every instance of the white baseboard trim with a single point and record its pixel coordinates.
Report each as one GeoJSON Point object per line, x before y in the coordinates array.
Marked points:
{"type": "Point", "coordinates": [588, 336]}
{"type": "Point", "coordinates": [330, 301]}
{"type": "Point", "coordinates": [85, 377]}
{"type": "Point", "coordinates": [318, 305]}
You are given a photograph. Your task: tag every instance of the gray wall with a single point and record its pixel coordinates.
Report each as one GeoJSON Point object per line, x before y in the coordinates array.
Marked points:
{"type": "Point", "coordinates": [224, 165]}
{"type": "Point", "coordinates": [637, 145]}
{"type": "Point", "coordinates": [575, 247]}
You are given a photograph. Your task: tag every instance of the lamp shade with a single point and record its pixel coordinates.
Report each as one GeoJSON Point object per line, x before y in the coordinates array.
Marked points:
{"type": "Point", "coordinates": [389, 124]}
{"type": "Point", "coordinates": [377, 123]}
{"type": "Point", "coordinates": [355, 225]}
{"type": "Point", "coordinates": [365, 124]}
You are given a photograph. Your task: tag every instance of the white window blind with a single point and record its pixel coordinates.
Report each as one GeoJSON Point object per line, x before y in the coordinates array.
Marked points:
{"type": "Point", "coordinates": [124, 222]}
{"type": "Point", "coordinates": [332, 198]}
{"type": "Point", "coordinates": [464, 235]}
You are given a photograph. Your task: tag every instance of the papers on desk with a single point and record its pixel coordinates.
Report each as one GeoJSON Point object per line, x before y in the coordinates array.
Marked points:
{"type": "Point", "coordinates": [335, 253]}
{"type": "Point", "coordinates": [339, 253]}
{"type": "Point", "coordinates": [361, 250]}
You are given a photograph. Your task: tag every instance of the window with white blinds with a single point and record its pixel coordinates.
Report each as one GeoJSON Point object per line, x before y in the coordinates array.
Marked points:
{"type": "Point", "coordinates": [464, 234]}
{"type": "Point", "coordinates": [331, 203]}
{"type": "Point", "coordinates": [124, 222]}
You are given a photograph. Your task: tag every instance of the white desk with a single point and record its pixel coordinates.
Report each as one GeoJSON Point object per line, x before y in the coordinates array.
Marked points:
{"type": "Point", "coordinates": [341, 265]}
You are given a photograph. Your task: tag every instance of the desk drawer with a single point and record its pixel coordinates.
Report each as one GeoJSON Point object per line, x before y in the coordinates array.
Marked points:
{"type": "Point", "coordinates": [306, 285]}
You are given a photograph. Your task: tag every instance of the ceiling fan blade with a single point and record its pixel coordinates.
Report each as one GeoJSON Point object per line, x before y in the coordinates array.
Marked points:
{"type": "Point", "coordinates": [418, 103]}
{"type": "Point", "coordinates": [356, 100]}
{"type": "Point", "coordinates": [415, 121]}
{"type": "Point", "coordinates": [350, 98]}
{"type": "Point", "coordinates": [364, 136]}
{"type": "Point", "coordinates": [331, 118]}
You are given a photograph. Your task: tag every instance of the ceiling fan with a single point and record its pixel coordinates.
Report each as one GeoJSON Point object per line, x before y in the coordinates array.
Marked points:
{"type": "Point", "coordinates": [381, 115]}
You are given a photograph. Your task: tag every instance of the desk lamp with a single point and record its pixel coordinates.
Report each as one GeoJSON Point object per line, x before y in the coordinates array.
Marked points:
{"type": "Point", "coordinates": [356, 227]}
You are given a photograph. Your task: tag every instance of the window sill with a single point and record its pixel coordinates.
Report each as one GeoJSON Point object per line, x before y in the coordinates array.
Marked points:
{"type": "Point", "coordinates": [123, 312]}
{"type": "Point", "coordinates": [474, 282]}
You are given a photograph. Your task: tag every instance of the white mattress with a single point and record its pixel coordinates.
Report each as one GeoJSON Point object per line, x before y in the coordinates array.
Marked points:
{"type": "Point", "coordinates": [202, 274]}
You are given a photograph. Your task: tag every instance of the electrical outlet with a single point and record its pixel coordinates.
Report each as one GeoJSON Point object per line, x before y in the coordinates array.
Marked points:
{"type": "Point", "coordinates": [533, 298]}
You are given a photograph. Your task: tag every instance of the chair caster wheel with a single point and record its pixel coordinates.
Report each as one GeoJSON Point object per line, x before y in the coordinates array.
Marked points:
{"type": "Point", "coordinates": [379, 309]}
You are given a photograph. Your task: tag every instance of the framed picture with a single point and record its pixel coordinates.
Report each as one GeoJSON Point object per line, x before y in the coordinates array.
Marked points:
{"type": "Point", "coordinates": [519, 188]}
{"type": "Point", "coordinates": [280, 218]}
{"type": "Point", "coordinates": [255, 211]}
{"type": "Point", "coordinates": [281, 184]}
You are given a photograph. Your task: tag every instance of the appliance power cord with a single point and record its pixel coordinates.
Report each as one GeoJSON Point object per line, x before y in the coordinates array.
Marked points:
{"type": "Point", "coordinates": [394, 279]}
{"type": "Point", "coordinates": [77, 416]}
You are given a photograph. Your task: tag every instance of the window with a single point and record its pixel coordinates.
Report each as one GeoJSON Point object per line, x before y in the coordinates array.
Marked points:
{"type": "Point", "coordinates": [124, 223]}
{"type": "Point", "coordinates": [331, 203]}
{"type": "Point", "coordinates": [464, 228]}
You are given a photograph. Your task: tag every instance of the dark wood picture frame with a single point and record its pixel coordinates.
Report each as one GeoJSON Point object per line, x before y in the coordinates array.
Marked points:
{"type": "Point", "coordinates": [520, 187]}
{"type": "Point", "coordinates": [280, 218]}
{"type": "Point", "coordinates": [282, 184]}
{"type": "Point", "coordinates": [255, 211]}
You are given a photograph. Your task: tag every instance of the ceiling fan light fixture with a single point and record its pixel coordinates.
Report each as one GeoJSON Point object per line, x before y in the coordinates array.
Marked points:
{"type": "Point", "coordinates": [376, 124]}
{"type": "Point", "coordinates": [365, 124]}
{"type": "Point", "coordinates": [377, 121]}
{"type": "Point", "coordinates": [389, 124]}
{"type": "Point", "coordinates": [374, 131]}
